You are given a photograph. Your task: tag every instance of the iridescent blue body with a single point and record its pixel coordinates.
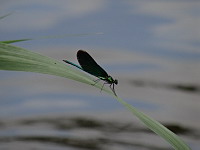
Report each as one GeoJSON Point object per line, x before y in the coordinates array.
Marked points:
{"type": "Point", "coordinates": [89, 65]}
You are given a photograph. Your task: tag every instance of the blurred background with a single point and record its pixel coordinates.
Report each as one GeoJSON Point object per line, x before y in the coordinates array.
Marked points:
{"type": "Point", "coordinates": [151, 46]}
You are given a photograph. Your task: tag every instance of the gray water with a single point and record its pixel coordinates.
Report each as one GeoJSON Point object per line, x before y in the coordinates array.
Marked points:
{"type": "Point", "coordinates": [51, 120]}
{"type": "Point", "coordinates": [151, 47]}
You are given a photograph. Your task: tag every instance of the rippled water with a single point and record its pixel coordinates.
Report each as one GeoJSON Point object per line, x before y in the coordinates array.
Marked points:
{"type": "Point", "coordinates": [82, 133]}
{"type": "Point", "coordinates": [151, 47]}
{"type": "Point", "coordinates": [93, 132]}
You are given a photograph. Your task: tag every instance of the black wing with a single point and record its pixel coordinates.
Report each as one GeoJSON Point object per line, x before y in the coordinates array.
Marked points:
{"type": "Point", "coordinates": [89, 65]}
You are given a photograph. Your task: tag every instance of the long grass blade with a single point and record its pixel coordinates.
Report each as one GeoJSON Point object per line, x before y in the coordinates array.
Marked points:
{"type": "Point", "coordinates": [49, 37]}
{"type": "Point", "coordinates": [18, 59]}
{"type": "Point", "coordinates": [1, 17]}
{"type": "Point", "coordinates": [14, 41]}
{"type": "Point", "coordinates": [158, 128]}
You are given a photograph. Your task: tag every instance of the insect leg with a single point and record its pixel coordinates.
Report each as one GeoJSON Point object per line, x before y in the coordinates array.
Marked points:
{"type": "Point", "coordinates": [113, 88]}
{"type": "Point", "coordinates": [96, 81]}
{"type": "Point", "coordinates": [103, 85]}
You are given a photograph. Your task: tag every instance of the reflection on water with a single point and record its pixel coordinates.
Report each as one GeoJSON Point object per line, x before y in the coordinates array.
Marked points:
{"type": "Point", "coordinates": [174, 86]}
{"type": "Point", "coordinates": [80, 133]}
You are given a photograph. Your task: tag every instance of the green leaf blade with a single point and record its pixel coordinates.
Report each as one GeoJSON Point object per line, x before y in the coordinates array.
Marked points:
{"type": "Point", "coordinates": [18, 59]}
{"type": "Point", "coordinates": [158, 128]}
{"type": "Point", "coordinates": [14, 41]}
